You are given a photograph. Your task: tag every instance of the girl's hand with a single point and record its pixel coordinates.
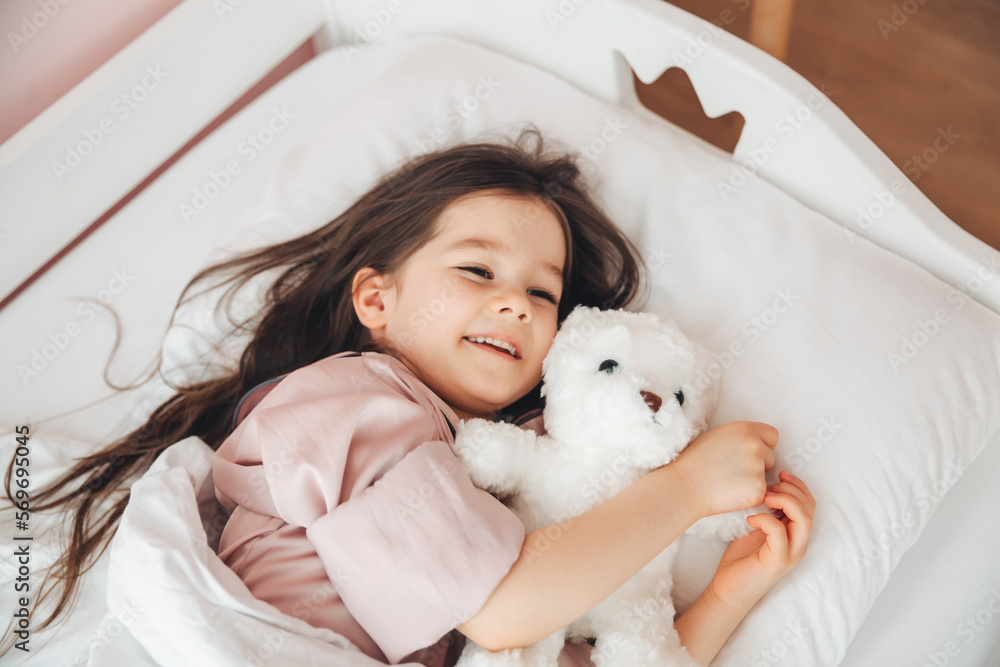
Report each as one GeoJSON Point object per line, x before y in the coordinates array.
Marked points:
{"type": "Point", "coordinates": [755, 562]}
{"type": "Point", "coordinates": [724, 468]}
{"type": "Point", "coordinates": [750, 566]}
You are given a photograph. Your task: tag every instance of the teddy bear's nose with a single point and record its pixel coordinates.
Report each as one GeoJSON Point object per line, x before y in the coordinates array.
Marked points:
{"type": "Point", "coordinates": [652, 400]}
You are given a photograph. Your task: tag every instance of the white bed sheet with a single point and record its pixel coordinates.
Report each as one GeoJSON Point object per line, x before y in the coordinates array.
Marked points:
{"type": "Point", "coordinates": [154, 251]}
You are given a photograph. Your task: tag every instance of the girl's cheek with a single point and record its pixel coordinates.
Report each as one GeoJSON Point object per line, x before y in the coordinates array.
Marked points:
{"type": "Point", "coordinates": [551, 333]}
{"type": "Point", "coordinates": [545, 345]}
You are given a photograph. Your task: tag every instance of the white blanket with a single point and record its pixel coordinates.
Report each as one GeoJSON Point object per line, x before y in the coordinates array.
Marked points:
{"type": "Point", "coordinates": [172, 601]}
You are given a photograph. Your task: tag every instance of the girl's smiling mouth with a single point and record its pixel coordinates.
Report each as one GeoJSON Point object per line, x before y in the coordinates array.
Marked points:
{"type": "Point", "coordinates": [496, 344]}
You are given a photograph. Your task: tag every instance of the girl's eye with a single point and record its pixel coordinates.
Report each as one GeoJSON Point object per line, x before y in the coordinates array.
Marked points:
{"type": "Point", "coordinates": [487, 274]}
{"type": "Point", "coordinates": [478, 270]}
{"type": "Point", "coordinates": [548, 296]}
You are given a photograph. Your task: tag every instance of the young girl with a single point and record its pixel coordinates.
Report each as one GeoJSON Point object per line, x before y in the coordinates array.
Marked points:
{"type": "Point", "coordinates": [435, 297]}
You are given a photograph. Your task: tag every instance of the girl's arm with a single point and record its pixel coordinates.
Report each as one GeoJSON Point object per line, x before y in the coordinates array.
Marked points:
{"type": "Point", "coordinates": [750, 566]}
{"type": "Point", "coordinates": [566, 569]}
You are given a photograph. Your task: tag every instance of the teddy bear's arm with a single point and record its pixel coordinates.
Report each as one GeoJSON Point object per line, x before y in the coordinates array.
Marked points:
{"type": "Point", "coordinates": [495, 454]}
{"type": "Point", "coordinates": [726, 527]}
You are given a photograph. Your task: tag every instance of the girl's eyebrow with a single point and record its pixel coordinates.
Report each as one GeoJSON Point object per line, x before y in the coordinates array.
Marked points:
{"type": "Point", "coordinates": [498, 247]}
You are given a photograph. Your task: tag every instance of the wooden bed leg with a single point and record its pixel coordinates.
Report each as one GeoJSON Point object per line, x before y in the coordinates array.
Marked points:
{"type": "Point", "coordinates": [770, 25]}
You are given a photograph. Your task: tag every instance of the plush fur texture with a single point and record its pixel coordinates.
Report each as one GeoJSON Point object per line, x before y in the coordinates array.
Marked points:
{"type": "Point", "coordinates": [625, 393]}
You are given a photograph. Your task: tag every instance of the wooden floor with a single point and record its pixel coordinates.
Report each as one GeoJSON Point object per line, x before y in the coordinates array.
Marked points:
{"type": "Point", "coordinates": [933, 66]}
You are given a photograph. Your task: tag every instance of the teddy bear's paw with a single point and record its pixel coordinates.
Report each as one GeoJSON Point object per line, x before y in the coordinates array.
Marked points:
{"type": "Point", "coordinates": [475, 655]}
{"type": "Point", "coordinates": [617, 650]}
{"type": "Point", "coordinates": [544, 653]}
{"type": "Point", "coordinates": [679, 657]}
{"type": "Point", "coordinates": [479, 447]}
{"type": "Point", "coordinates": [728, 526]}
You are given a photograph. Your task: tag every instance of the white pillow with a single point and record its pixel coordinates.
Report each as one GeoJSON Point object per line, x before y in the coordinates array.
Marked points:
{"type": "Point", "coordinates": [881, 379]}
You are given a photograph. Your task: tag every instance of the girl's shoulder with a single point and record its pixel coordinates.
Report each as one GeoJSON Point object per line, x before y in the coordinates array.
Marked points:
{"type": "Point", "coordinates": [368, 370]}
{"type": "Point", "coordinates": [371, 365]}
{"type": "Point", "coordinates": [356, 374]}
{"type": "Point", "coordinates": [347, 363]}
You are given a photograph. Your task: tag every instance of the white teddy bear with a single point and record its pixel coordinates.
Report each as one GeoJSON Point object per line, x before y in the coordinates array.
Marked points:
{"type": "Point", "coordinates": [624, 394]}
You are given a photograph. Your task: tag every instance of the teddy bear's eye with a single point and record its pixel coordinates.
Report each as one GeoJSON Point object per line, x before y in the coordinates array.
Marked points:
{"type": "Point", "coordinates": [608, 366]}
{"type": "Point", "coordinates": [680, 397]}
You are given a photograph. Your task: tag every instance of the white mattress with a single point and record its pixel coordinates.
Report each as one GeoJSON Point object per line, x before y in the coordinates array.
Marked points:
{"type": "Point", "coordinates": [140, 260]}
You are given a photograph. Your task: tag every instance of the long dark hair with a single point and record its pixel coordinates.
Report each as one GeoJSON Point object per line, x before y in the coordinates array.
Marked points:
{"type": "Point", "coordinates": [308, 313]}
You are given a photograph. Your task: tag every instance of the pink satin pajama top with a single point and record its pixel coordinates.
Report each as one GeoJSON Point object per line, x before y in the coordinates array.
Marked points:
{"type": "Point", "coordinates": [350, 511]}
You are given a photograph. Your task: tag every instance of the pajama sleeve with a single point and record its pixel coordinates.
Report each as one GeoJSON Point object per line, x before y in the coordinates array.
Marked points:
{"type": "Point", "coordinates": [412, 546]}
{"type": "Point", "coordinates": [419, 552]}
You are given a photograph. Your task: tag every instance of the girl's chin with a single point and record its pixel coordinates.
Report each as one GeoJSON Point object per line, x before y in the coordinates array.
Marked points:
{"type": "Point", "coordinates": [475, 414]}
{"type": "Point", "coordinates": [482, 400]}
{"type": "Point", "coordinates": [481, 411]}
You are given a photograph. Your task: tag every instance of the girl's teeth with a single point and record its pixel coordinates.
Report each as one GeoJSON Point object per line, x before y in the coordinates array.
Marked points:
{"type": "Point", "coordinates": [496, 343]}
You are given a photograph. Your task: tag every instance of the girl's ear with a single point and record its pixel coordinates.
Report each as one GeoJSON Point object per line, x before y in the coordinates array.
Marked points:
{"type": "Point", "coordinates": [373, 296]}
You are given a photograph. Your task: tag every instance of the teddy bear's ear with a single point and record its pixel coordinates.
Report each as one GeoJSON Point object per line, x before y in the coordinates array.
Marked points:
{"type": "Point", "coordinates": [579, 313]}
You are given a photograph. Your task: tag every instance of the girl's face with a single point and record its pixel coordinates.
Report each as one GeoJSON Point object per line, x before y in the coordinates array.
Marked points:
{"type": "Point", "coordinates": [474, 310]}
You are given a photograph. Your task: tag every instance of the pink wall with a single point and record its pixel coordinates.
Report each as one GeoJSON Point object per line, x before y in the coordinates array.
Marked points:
{"type": "Point", "coordinates": [51, 45]}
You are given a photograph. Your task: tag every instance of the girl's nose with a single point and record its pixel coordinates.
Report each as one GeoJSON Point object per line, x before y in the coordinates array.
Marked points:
{"type": "Point", "coordinates": [513, 303]}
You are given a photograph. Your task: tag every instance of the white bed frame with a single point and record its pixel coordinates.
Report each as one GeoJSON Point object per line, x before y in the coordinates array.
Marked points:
{"type": "Point", "coordinates": [828, 163]}
{"type": "Point", "coordinates": [595, 44]}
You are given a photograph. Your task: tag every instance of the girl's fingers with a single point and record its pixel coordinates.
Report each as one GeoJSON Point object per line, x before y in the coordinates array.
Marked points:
{"type": "Point", "coordinates": [769, 436]}
{"type": "Point", "coordinates": [799, 520]}
{"type": "Point", "coordinates": [767, 433]}
{"type": "Point", "coordinates": [788, 477]}
{"type": "Point", "coordinates": [774, 532]}
{"type": "Point", "coordinates": [795, 492]}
